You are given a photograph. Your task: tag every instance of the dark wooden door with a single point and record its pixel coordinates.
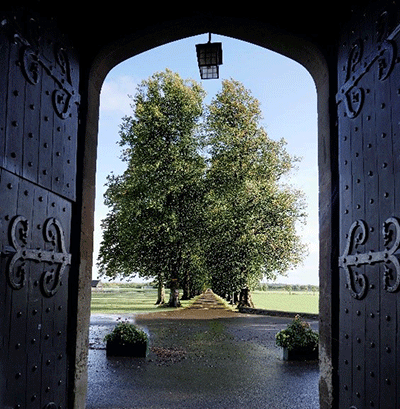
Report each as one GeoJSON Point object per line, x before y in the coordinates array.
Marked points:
{"type": "Point", "coordinates": [38, 140]}
{"type": "Point", "coordinates": [369, 164]}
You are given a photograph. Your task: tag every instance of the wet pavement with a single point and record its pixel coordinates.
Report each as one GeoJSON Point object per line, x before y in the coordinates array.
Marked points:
{"type": "Point", "coordinates": [200, 359]}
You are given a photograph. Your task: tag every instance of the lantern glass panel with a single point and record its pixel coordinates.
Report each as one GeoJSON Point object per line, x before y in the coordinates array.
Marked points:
{"type": "Point", "coordinates": [210, 72]}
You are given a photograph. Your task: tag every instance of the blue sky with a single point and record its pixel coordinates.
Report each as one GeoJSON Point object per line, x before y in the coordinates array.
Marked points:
{"type": "Point", "coordinates": [288, 100]}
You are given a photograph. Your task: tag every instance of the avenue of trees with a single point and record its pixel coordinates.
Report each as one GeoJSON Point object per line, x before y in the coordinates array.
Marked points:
{"type": "Point", "coordinates": [202, 201]}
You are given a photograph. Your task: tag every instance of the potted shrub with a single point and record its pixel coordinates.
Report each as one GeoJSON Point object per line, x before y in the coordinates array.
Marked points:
{"type": "Point", "coordinates": [126, 340]}
{"type": "Point", "coordinates": [298, 340]}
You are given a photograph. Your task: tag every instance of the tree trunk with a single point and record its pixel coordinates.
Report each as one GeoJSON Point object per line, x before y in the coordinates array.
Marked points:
{"type": "Point", "coordinates": [174, 295]}
{"type": "Point", "coordinates": [161, 293]}
{"type": "Point", "coordinates": [186, 287]}
{"type": "Point", "coordinates": [245, 299]}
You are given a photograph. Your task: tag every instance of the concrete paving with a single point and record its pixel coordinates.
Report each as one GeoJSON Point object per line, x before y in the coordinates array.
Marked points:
{"type": "Point", "coordinates": [207, 358]}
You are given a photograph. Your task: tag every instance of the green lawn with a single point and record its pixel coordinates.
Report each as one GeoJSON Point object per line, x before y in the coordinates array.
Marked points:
{"type": "Point", "coordinates": [122, 300]}
{"type": "Point", "coordinates": [126, 300]}
{"type": "Point", "coordinates": [283, 301]}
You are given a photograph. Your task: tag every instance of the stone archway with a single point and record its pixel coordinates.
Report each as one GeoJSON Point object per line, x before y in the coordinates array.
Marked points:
{"type": "Point", "coordinates": [293, 47]}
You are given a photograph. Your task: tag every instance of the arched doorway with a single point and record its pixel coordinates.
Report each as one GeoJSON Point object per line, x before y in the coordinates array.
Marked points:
{"type": "Point", "coordinates": [353, 53]}
{"type": "Point", "coordinates": [293, 47]}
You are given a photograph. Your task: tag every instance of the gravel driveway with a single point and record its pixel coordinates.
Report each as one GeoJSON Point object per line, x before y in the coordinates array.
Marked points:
{"type": "Point", "coordinates": [202, 357]}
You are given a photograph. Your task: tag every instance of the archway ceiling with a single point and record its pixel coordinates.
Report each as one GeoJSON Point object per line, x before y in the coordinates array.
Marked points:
{"type": "Point", "coordinates": [92, 25]}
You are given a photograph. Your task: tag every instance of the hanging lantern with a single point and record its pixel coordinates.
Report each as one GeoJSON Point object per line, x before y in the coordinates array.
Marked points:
{"type": "Point", "coordinates": [209, 57]}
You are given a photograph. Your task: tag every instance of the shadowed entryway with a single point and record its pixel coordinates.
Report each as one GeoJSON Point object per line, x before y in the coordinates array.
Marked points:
{"type": "Point", "coordinates": [55, 61]}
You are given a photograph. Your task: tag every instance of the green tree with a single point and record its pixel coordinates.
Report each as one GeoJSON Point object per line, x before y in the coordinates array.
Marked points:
{"type": "Point", "coordinates": [156, 206]}
{"type": "Point", "coordinates": [251, 214]}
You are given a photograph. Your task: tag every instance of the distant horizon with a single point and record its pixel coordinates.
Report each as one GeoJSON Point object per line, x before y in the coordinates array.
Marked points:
{"type": "Point", "coordinates": [132, 281]}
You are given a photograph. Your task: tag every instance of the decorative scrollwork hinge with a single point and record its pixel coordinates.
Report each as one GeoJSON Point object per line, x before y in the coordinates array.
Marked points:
{"type": "Point", "coordinates": [32, 58]}
{"type": "Point", "coordinates": [350, 93]}
{"type": "Point", "coordinates": [19, 254]}
{"type": "Point", "coordinates": [358, 235]}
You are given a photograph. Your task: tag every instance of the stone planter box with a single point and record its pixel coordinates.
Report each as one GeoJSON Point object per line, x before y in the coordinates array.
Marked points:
{"type": "Point", "coordinates": [138, 349]}
{"type": "Point", "coordinates": [304, 354]}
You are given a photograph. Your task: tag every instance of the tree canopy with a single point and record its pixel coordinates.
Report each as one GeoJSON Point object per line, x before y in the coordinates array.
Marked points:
{"type": "Point", "coordinates": [202, 200]}
{"type": "Point", "coordinates": [155, 206]}
{"type": "Point", "coordinates": [251, 215]}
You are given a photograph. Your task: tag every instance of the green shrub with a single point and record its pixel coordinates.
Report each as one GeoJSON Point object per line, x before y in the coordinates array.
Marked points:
{"type": "Point", "coordinates": [297, 335]}
{"type": "Point", "coordinates": [126, 333]}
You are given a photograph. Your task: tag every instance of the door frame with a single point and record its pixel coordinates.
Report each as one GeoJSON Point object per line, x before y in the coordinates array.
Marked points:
{"type": "Point", "coordinates": [322, 68]}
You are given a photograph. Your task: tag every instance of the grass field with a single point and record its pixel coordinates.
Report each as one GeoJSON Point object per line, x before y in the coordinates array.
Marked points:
{"type": "Point", "coordinates": [301, 301]}
{"type": "Point", "coordinates": [120, 300]}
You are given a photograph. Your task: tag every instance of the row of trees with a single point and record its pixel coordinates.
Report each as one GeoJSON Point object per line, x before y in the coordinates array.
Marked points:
{"type": "Point", "coordinates": [262, 286]}
{"type": "Point", "coordinates": [201, 202]}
